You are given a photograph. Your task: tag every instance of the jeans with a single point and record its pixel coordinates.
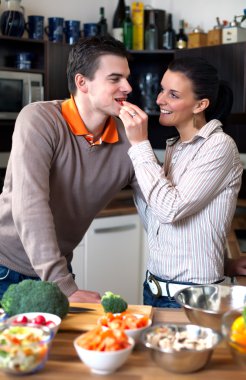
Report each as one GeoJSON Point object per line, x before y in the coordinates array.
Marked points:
{"type": "Point", "coordinates": [8, 277]}
{"type": "Point", "coordinates": [150, 299]}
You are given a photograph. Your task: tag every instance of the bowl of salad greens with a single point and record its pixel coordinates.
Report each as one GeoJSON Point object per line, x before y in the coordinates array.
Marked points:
{"type": "Point", "coordinates": [24, 349]}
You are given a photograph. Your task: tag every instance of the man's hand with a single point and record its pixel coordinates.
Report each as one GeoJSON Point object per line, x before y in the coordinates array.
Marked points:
{"type": "Point", "coordinates": [85, 296]}
{"type": "Point", "coordinates": [235, 267]}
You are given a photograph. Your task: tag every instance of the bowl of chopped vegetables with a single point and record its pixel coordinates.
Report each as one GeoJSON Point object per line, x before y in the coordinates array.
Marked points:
{"type": "Point", "coordinates": [49, 320]}
{"type": "Point", "coordinates": [233, 328]}
{"type": "Point", "coordinates": [180, 348]}
{"type": "Point", "coordinates": [133, 324]}
{"type": "Point", "coordinates": [24, 348]}
{"type": "Point", "coordinates": [103, 350]}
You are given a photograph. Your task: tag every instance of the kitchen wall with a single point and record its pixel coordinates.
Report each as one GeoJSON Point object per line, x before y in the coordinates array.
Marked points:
{"type": "Point", "coordinates": [195, 12]}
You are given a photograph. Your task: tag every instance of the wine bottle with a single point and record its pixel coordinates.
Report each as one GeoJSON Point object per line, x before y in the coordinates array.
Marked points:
{"type": "Point", "coordinates": [102, 25]}
{"type": "Point", "coordinates": [182, 38]}
{"type": "Point", "coordinates": [127, 29]}
{"type": "Point", "coordinates": [169, 35]}
{"type": "Point", "coordinates": [151, 33]}
{"type": "Point", "coordinates": [118, 19]}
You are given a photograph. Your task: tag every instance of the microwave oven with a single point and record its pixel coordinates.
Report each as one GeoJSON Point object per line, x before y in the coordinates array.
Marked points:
{"type": "Point", "coordinates": [17, 89]}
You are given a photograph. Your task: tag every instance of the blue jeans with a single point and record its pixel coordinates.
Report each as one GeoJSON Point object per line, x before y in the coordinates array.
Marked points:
{"type": "Point", "coordinates": [8, 277]}
{"type": "Point", "coordinates": [150, 299]}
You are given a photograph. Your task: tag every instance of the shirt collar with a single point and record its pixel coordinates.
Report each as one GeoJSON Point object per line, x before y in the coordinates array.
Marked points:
{"type": "Point", "coordinates": [209, 128]}
{"type": "Point", "coordinates": [77, 126]}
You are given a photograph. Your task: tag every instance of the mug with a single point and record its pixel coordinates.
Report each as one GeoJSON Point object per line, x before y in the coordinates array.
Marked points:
{"type": "Point", "coordinates": [72, 31]}
{"type": "Point", "coordinates": [90, 29]}
{"type": "Point", "coordinates": [35, 27]}
{"type": "Point", "coordinates": [54, 30]}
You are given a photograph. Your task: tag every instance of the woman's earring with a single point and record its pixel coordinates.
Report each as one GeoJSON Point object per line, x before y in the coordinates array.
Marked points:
{"type": "Point", "coordinates": [194, 120]}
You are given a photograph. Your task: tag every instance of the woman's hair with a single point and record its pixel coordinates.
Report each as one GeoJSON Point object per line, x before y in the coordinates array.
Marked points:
{"type": "Point", "coordinates": [85, 54]}
{"type": "Point", "coordinates": [206, 84]}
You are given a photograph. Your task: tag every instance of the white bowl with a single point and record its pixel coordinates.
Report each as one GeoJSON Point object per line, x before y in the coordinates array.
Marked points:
{"type": "Point", "coordinates": [133, 333]}
{"type": "Point", "coordinates": [103, 362]}
{"type": "Point", "coordinates": [32, 315]}
{"type": "Point", "coordinates": [136, 333]}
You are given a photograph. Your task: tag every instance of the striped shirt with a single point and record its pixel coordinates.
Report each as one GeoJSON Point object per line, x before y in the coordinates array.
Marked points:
{"type": "Point", "coordinates": [190, 203]}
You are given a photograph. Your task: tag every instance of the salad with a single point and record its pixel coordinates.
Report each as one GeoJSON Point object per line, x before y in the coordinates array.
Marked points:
{"type": "Point", "coordinates": [23, 349]}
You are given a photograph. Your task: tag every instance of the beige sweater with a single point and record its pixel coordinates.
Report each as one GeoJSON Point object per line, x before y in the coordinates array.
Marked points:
{"type": "Point", "coordinates": [55, 184]}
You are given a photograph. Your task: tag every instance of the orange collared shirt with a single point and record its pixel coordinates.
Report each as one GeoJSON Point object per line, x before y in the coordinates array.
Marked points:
{"type": "Point", "coordinates": [77, 126]}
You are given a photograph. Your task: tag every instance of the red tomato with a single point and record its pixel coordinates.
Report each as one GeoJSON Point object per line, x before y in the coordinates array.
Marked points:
{"type": "Point", "coordinates": [50, 324]}
{"type": "Point", "coordinates": [39, 320]}
{"type": "Point", "coordinates": [21, 319]}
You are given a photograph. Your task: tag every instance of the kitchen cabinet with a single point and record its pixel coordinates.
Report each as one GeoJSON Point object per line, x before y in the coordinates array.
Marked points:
{"type": "Point", "coordinates": [48, 58]}
{"type": "Point", "coordinates": [230, 61]}
{"type": "Point", "coordinates": [147, 68]}
{"type": "Point", "coordinates": [110, 257]}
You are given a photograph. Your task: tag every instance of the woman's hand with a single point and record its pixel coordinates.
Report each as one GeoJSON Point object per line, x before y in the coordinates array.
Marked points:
{"type": "Point", "coordinates": [135, 122]}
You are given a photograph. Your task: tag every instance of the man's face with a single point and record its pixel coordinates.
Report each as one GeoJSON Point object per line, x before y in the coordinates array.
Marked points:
{"type": "Point", "coordinates": [110, 85]}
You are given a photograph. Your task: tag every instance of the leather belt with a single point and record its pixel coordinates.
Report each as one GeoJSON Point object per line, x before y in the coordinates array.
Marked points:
{"type": "Point", "coordinates": [163, 288]}
{"type": "Point", "coordinates": [168, 289]}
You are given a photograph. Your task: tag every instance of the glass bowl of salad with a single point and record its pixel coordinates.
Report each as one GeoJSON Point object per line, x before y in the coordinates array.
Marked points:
{"type": "Point", "coordinates": [24, 349]}
{"type": "Point", "coordinates": [233, 328]}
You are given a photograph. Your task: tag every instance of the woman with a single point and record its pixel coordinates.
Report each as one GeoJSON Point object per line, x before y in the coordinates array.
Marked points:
{"type": "Point", "coordinates": [191, 199]}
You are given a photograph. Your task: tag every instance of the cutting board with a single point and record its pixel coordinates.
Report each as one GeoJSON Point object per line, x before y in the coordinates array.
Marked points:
{"type": "Point", "coordinates": [87, 320]}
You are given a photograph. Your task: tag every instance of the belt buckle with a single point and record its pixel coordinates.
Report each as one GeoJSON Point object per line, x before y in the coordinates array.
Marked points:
{"type": "Point", "coordinates": [159, 291]}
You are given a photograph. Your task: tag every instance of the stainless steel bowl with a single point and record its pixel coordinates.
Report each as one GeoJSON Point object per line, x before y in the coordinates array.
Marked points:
{"type": "Point", "coordinates": [169, 355]}
{"type": "Point", "coordinates": [204, 305]}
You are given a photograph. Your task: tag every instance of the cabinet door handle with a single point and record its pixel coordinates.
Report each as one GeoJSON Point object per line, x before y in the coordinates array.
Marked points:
{"type": "Point", "coordinates": [106, 230]}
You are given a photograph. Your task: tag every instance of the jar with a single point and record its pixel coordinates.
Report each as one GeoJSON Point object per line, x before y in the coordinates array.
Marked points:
{"type": "Point", "coordinates": [12, 22]}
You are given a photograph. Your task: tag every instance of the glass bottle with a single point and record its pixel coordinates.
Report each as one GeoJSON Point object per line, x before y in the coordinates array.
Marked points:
{"type": "Point", "coordinates": [102, 25]}
{"type": "Point", "coordinates": [151, 33]}
{"type": "Point", "coordinates": [128, 29]}
{"type": "Point", "coordinates": [182, 38]}
{"type": "Point", "coordinates": [12, 21]}
{"type": "Point", "coordinates": [118, 19]}
{"type": "Point", "coordinates": [169, 35]}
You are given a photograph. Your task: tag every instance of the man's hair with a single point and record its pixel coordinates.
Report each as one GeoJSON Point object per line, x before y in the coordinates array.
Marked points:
{"type": "Point", "coordinates": [84, 58]}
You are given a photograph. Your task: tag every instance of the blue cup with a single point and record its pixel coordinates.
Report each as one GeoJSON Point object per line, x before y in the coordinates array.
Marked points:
{"type": "Point", "coordinates": [90, 29]}
{"type": "Point", "coordinates": [72, 31]}
{"type": "Point", "coordinates": [54, 30]}
{"type": "Point", "coordinates": [35, 27]}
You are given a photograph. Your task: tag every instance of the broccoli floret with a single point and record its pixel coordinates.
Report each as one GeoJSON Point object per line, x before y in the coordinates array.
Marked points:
{"type": "Point", "coordinates": [35, 296]}
{"type": "Point", "coordinates": [113, 303]}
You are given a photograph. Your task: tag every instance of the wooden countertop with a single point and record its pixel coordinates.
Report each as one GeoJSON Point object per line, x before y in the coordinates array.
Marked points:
{"type": "Point", "coordinates": [122, 204]}
{"type": "Point", "coordinates": [64, 363]}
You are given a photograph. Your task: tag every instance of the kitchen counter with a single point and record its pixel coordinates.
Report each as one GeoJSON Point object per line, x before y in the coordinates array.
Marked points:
{"type": "Point", "coordinates": [122, 204]}
{"type": "Point", "coordinates": [64, 363]}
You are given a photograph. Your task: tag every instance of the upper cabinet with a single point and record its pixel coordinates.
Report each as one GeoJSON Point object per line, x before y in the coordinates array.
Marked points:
{"type": "Point", "coordinates": [147, 68]}
{"type": "Point", "coordinates": [47, 58]}
{"type": "Point", "coordinates": [230, 61]}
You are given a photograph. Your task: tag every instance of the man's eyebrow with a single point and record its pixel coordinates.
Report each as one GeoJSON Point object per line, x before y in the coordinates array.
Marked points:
{"type": "Point", "coordinates": [115, 75]}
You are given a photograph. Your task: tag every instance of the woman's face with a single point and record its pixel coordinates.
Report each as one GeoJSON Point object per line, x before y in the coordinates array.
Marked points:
{"type": "Point", "coordinates": [176, 100]}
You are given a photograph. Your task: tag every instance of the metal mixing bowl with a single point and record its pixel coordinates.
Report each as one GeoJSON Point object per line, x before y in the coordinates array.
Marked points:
{"type": "Point", "coordinates": [170, 352]}
{"type": "Point", "coordinates": [204, 305]}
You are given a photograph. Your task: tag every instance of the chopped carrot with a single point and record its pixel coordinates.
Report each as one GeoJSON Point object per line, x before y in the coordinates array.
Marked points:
{"type": "Point", "coordinates": [124, 321]}
{"type": "Point", "coordinates": [100, 339]}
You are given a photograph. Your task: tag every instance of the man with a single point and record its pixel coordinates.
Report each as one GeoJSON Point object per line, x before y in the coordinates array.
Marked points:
{"type": "Point", "coordinates": [68, 160]}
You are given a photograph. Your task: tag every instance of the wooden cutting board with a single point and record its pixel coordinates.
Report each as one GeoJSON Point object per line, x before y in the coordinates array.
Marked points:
{"type": "Point", "coordinates": [87, 320]}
